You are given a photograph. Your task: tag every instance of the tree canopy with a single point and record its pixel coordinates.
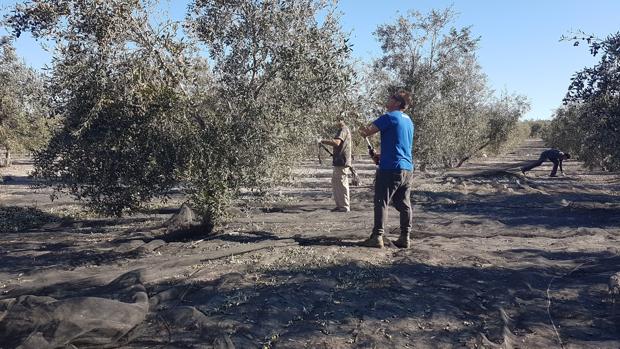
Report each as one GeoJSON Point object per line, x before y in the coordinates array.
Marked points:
{"type": "Point", "coordinates": [143, 112]}
{"type": "Point", "coordinates": [454, 110]}
{"type": "Point", "coordinates": [25, 123]}
{"type": "Point", "coordinates": [144, 109]}
{"type": "Point", "coordinates": [588, 125]}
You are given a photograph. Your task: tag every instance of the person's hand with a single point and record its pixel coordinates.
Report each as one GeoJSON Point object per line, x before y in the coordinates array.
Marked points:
{"type": "Point", "coordinates": [362, 131]}
{"type": "Point", "coordinates": [376, 158]}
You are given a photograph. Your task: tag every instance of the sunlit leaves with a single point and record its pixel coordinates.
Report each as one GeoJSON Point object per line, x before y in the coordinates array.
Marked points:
{"type": "Point", "coordinates": [143, 113]}
{"type": "Point", "coordinates": [25, 123]}
{"type": "Point", "coordinates": [455, 113]}
{"type": "Point", "coordinates": [115, 84]}
{"type": "Point", "coordinates": [280, 76]}
{"type": "Point", "coordinates": [589, 123]}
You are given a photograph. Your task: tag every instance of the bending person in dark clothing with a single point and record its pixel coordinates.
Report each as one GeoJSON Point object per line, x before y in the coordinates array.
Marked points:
{"type": "Point", "coordinates": [552, 155]}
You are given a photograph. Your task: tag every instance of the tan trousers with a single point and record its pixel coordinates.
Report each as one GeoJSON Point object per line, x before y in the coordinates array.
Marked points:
{"type": "Point", "coordinates": [340, 186]}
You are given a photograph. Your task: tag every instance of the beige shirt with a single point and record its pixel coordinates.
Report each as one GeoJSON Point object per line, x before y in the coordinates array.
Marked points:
{"type": "Point", "coordinates": [342, 153]}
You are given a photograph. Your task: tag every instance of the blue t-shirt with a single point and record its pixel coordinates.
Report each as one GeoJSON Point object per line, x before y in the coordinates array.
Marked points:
{"type": "Point", "coordinates": [396, 141]}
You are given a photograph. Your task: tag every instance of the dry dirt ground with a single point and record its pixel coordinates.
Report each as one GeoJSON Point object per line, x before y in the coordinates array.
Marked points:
{"type": "Point", "coordinates": [499, 260]}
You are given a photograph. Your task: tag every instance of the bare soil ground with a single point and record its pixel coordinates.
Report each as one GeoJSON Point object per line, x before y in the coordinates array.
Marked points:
{"type": "Point", "coordinates": [499, 260]}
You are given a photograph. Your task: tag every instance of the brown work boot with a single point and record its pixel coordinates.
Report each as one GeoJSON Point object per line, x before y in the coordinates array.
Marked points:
{"type": "Point", "coordinates": [375, 241]}
{"type": "Point", "coordinates": [403, 241]}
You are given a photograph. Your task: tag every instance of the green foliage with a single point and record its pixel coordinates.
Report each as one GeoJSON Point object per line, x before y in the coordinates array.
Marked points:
{"type": "Point", "coordinates": [25, 124]}
{"type": "Point", "coordinates": [503, 119]}
{"type": "Point", "coordinates": [589, 123]}
{"type": "Point", "coordinates": [454, 111]}
{"type": "Point", "coordinates": [563, 130]}
{"type": "Point", "coordinates": [142, 113]}
{"type": "Point", "coordinates": [122, 138]}
{"type": "Point", "coordinates": [515, 138]}
{"type": "Point", "coordinates": [536, 127]}
{"type": "Point", "coordinates": [281, 77]}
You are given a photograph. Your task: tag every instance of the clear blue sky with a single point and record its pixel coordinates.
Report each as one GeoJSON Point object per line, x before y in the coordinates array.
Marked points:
{"type": "Point", "coordinates": [519, 50]}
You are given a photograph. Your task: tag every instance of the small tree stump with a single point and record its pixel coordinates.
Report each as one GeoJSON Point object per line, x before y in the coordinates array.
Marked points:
{"type": "Point", "coordinates": [183, 220]}
{"type": "Point", "coordinates": [186, 224]}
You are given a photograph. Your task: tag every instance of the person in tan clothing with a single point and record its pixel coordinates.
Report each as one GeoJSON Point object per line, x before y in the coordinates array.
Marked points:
{"type": "Point", "coordinates": [341, 162]}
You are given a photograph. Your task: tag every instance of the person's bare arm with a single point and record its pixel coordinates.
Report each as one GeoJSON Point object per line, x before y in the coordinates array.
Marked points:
{"type": "Point", "coordinates": [333, 142]}
{"type": "Point", "coordinates": [369, 130]}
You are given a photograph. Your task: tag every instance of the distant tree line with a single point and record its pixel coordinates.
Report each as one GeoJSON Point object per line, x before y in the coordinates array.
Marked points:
{"type": "Point", "coordinates": [142, 108]}
{"type": "Point", "coordinates": [536, 128]}
{"type": "Point", "coordinates": [25, 124]}
{"type": "Point", "coordinates": [588, 124]}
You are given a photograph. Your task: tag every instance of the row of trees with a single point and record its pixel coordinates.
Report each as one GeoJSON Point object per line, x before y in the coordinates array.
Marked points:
{"type": "Point", "coordinates": [588, 124]}
{"type": "Point", "coordinates": [24, 116]}
{"type": "Point", "coordinates": [143, 110]}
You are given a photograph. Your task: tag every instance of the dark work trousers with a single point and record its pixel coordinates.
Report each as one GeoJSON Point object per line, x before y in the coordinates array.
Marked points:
{"type": "Point", "coordinates": [539, 162]}
{"type": "Point", "coordinates": [396, 186]}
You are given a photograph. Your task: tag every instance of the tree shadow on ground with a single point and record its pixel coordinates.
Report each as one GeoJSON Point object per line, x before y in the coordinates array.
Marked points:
{"type": "Point", "coordinates": [248, 237]}
{"type": "Point", "coordinates": [61, 256]}
{"type": "Point", "coordinates": [532, 209]}
{"type": "Point", "coordinates": [15, 180]}
{"type": "Point", "coordinates": [365, 305]}
{"type": "Point", "coordinates": [39, 240]}
{"type": "Point", "coordinates": [85, 226]}
{"type": "Point", "coordinates": [160, 210]}
{"type": "Point", "coordinates": [15, 219]}
{"type": "Point", "coordinates": [325, 241]}
{"type": "Point", "coordinates": [18, 219]}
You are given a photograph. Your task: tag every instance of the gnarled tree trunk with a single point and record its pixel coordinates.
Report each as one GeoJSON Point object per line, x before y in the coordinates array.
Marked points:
{"type": "Point", "coordinates": [6, 160]}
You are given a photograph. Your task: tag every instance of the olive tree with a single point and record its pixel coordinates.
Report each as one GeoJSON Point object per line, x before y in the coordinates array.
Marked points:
{"type": "Point", "coordinates": [589, 123]}
{"type": "Point", "coordinates": [118, 85]}
{"type": "Point", "coordinates": [536, 127]}
{"type": "Point", "coordinates": [143, 112]}
{"type": "Point", "coordinates": [454, 110]}
{"type": "Point", "coordinates": [25, 124]}
{"type": "Point", "coordinates": [281, 75]}
{"type": "Point", "coordinates": [564, 130]}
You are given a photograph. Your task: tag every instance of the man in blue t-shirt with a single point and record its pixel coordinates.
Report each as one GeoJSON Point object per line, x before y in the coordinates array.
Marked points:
{"type": "Point", "coordinates": [393, 178]}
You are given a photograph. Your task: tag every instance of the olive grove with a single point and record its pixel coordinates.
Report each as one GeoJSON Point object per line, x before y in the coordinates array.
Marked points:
{"type": "Point", "coordinates": [280, 77]}
{"type": "Point", "coordinates": [142, 111]}
{"type": "Point", "coordinates": [230, 98]}
{"type": "Point", "coordinates": [116, 86]}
